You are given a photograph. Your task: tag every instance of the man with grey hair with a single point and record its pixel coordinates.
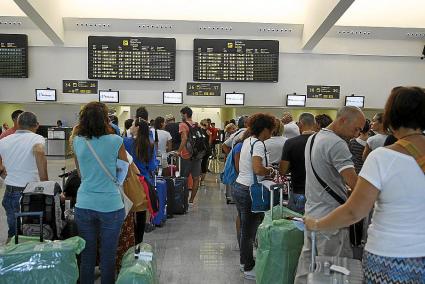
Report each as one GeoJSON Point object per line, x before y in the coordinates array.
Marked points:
{"type": "Point", "coordinates": [293, 161]}
{"type": "Point", "coordinates": [290, 129]}
{"type": "Point", "coordinates": [22, 160]}
{"type": "Point", "coordinates": [329, 170]}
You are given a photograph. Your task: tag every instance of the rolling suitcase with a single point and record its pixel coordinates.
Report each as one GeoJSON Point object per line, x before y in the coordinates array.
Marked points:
{"type": "Point", "coordinates": [161, 189]}
{"type": "Point", "coordinates": [177, 194]}
{"type": "Point", "coordinates": [333, 269]}
{"type": "Point", "coordinates": [279, 243]}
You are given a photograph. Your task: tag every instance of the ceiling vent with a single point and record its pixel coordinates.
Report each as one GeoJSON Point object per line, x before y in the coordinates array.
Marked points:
{"type": "Point", "coordinates": [155, 27]}
{"type": "Point", "coordinates": [8, 23]}
{"type": "Point", "coordinates": [93, 25]}
{"type": "Point", "coordinates": [216, 28]}
{"type": "Point", "coordinates": [275, 30]}
{"type": "Point", "coordinates": [354, 33]}
{"type": "Point", "coordinates": [416, 35]}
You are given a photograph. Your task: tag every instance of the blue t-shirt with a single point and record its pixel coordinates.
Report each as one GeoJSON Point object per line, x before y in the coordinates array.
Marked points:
{"type": "Point", "coordinates": [97, 191]}
{"type": "Point", "coordinates": [146, 169]}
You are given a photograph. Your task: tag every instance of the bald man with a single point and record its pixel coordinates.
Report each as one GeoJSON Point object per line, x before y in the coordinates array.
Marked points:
{"type": "Point", "coordinates": [326, 185]}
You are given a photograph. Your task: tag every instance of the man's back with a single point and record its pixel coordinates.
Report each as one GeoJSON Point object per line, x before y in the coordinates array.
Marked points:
{"type": "Point", "coordinates": [173, 128]}
{"type": "Point", "coordinates": [293, 152]}
{"type": "Point", "coordinates": [330, 156]}
{"type": "Point", "coordinates": [18, 157]}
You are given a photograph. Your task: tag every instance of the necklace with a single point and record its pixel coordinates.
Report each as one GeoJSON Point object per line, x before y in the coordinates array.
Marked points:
{"type": "Point", "coordinates": [411, 134]}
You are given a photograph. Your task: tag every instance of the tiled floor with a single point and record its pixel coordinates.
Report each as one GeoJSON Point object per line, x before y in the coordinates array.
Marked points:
{"type": "Point", "coordinates": [199, 247]}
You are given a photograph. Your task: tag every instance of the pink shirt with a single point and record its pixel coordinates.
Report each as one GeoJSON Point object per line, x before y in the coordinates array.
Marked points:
{"type": "Point", "coordinates": [8, 132]}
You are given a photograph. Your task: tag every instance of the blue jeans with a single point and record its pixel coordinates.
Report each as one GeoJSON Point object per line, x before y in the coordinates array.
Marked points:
{"type": "Point", "coordinates": [249, 224]}
{"type": "Point", "coordinates": [107, 226]}
{"type": "Point", "coordinates": [11, 205]}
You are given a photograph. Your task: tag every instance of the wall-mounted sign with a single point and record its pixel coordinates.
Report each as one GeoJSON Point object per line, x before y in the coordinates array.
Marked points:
{"type": "Point", "coordinates": [323, 92]}
{"type": "Point", "coordinates": [79, 87]}
{"type": "Point", "coordinates": [13, 56]}
{"type": "Point", "coordinates": [203, 89]}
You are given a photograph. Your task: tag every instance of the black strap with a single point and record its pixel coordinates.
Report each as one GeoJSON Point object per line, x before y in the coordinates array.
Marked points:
{"type": "Point", "coordinates": [329, 190]}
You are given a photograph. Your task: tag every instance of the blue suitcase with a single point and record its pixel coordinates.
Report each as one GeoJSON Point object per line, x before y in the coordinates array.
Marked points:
{"type": "Point", "coordinates": [161, 189]}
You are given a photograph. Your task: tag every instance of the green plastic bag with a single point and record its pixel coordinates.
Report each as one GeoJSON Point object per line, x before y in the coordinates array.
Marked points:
{"type": "Point", "coordinates": [33, 262]}
{"type": "Point", "coordinates": [141, 270]}
{"type": "Point", "coordinates": [279, 247]}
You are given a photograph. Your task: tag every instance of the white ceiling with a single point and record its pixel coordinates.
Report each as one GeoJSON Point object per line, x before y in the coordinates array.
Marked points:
{"type": "Point", "coordinates": [265, 11]}
{"type": "Point", "coordinates": [385, 13]}
{"type": "Point", "coordinates": [372, 13]}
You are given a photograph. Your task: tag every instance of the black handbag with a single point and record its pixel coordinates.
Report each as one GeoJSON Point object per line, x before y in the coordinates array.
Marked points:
{"type": "Point", "coordinates": [356, 230]}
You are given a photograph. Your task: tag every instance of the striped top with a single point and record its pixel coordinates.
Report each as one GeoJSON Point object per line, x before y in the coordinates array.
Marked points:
{"type": "Point", "coordinates": [356, 147]}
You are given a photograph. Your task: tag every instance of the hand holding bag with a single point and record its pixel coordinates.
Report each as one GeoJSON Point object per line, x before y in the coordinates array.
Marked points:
{"type": "Point", "coordinates": [260, 193]}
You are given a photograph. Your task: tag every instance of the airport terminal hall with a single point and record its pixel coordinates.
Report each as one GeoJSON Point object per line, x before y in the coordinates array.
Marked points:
{"type": "Point", "coordinates": [212, 142]}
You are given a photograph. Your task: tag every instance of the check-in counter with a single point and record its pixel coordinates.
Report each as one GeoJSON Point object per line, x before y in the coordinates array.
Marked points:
{"type": "Point", "coordinates": [58, 142]}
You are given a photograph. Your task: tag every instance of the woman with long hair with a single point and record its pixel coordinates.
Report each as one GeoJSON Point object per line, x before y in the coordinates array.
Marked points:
{"type": "Point", "coordinates": [99, 211]}
{"type": "Point", "coordinates": [142, 149]}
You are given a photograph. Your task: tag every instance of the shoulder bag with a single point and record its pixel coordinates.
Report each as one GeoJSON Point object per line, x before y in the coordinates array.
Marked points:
{"type": "Point", "coordinates": [128, 204]}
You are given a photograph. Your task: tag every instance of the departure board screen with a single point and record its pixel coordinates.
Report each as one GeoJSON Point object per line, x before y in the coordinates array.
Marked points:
{"type": "Point", "coordinates": [236, 60]}
{"type": "Point", "coordinates": [13, 56]}
{"type": "Point", "coordinates": [131, 58]}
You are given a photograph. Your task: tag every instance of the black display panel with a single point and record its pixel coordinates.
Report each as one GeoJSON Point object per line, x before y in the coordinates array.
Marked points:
{"type": "Point", "coordinates": [295, 100]}
{"type": "Point", "coordinates": [131, 58]}
{"type": "Point", "coordinates": [235, 99]}
{"type": "Point", "coordinates": [203, 89]}
{"type": "Point", "coordinates": [236, 60]}
{"type": "Point", "coordinates": [13, 56]}
{"type": "Point", "coordinates": [79, 87]}
{"type": "Point", "coordinates": [323, 92]}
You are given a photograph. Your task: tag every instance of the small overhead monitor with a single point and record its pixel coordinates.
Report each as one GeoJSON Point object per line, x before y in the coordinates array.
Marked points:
{"type": "Point", "coordinates": [357, 101]}
{"type": "Point", "coordinates": [109, 96]}
{"type": "Point", "coordinates": [295, 100]}
{"type": "Point", "coordinates": [234, 99]}
{"type": "Point", "coordinates": [172, 98]}
{"type": "Point", "coordinates": [45, 95]}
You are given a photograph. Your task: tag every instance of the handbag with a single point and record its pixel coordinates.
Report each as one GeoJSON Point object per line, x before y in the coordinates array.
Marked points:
{"type": "Point", "coordinates": [127, 202]}
{"type": "Point", "coordinates": [260, 193]}
{"type": "Point", "coordinates": [356, 230]}
{"type": "Point", "coordinates": [135, 191]}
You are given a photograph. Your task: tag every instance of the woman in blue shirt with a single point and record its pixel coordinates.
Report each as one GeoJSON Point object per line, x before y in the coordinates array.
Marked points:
{"type": "Point", "coordinates": [142, 150]}
{"type": "Point", "coordinates": [99, 211]}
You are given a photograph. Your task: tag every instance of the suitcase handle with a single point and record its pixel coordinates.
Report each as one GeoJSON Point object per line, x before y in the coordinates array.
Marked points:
{"type": "Point", "coordinates": [25, 214]}
{"type": "Point", "coordinates": [272, 199]}
{"type": "Point", "coordinates": [313, 251]}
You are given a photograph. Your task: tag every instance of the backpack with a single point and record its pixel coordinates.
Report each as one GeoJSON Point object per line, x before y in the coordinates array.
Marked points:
{"type": "Point", "coordinates": [195, 144]}
{"type": "Point", "coordinates": [229, 175]}
{"type": "Point", "coordinates": [42, 196]}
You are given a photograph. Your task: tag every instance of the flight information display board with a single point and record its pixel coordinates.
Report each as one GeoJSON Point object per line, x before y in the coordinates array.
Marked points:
{"type": "Point", "coordinates": [131, 58]}
{"type": "Point", "coordinates": [13, 56]}
{"type": "Point", "coordinates": [236, 60]}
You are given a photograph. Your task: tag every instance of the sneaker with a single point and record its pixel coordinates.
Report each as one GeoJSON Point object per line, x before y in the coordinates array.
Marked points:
{"type": "Point", "coordinates": [250, 275]}
{"type": "Point", "coordinates": [241, 267]}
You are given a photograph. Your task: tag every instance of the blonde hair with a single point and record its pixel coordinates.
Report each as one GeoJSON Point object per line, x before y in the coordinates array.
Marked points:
{"type": "Point", "coordinates": [278, 131]}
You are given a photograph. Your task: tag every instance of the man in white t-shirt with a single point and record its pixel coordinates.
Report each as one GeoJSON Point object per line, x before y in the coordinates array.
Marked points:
{"type": "Point", "coordinates": [329, 163]}
{"type": "Point", "coordinates": [22, 160]}
{"type": "Point", "coordinates": [291, 128]}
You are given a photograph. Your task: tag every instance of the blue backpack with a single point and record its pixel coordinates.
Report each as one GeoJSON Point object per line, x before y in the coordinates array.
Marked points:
{"type": "Point", "coordinates": [229, 175]}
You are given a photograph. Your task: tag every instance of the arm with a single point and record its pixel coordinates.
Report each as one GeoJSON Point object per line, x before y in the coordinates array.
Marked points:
{"type": "Point", "coordinates": [77, 165]}
{"type": "Point", "coordinates": [226, 149]}
{"type": "Point", "coordinates": [169, 145]}
{"type": "Point", "coordinates": [284, 167]}
{"type": "Point", "coordinates": [356, 208]}
{"type": "Point", "coordinates": [366, 152]}
{"type": "Point", "coordinates": [41, 161]}
{"type": "Point", "coordinates": [236, 158]}
{"type": "Point", "coordinates": [259, 169]}
{"type": "Point", "coordinates": [3, 172]}
{"type": "Point", "coordinates": [183, 135]}
{"type": "Point", "coordinates": [350, 177]}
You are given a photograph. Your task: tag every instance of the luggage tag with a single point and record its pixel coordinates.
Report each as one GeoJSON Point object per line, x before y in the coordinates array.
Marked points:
{"type": "Point", "coordinates": [145, 256]}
